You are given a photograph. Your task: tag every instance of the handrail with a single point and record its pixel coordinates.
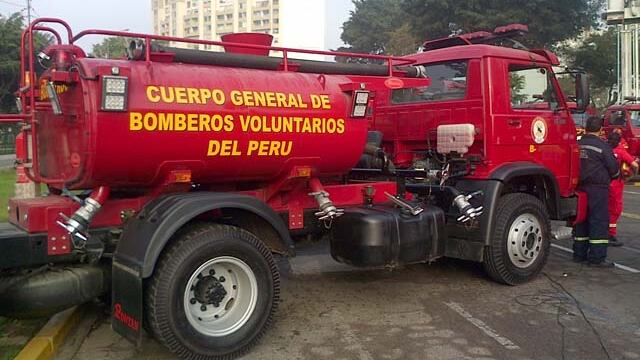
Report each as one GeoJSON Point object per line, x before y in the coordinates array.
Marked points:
{"type": "Point", "coordinates": [13, 118]}
{"type": "Point", "coordinates": [391, 60]}
{"type": "Point", "coordinates": [28, 107]}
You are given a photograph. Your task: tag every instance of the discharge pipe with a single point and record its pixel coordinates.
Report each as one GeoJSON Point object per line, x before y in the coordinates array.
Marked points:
{"type": "Point", "coordinates": [78, 223]}
{"type": "Point", "coordinates": [460, 200]}
{"type": "Point", "coordinates": [328, 211]}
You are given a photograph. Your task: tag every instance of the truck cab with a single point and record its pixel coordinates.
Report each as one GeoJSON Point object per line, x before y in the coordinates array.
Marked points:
{"type": "Point", "coordinates": [625, 118]}
{"type": "Point", "coordinates": [522, 136]}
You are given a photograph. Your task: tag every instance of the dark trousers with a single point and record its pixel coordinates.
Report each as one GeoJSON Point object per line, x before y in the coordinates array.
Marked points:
{"type": "Point", "coordinates": [592, 236]}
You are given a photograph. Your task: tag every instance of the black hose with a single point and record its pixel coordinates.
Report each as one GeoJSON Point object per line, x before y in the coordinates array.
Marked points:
{"type": "Point", "coordinates": [201, 57]}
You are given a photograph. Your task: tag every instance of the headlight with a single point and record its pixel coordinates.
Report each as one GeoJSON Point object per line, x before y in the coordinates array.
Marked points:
{"type": "Point", "coordinates": [360, 101]}
{"type": "Point", "coordinates": [114, 93]}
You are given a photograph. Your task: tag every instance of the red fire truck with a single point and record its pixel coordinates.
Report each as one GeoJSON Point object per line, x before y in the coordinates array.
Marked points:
{"type": "Point", "coordinates": [175, 176]}
{"type": "Point", "coordinates": [625, 118]}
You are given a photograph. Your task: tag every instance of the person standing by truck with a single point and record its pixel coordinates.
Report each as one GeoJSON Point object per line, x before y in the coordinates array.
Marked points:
{"type": "Point", "coordinates": [627, 165]}
{"type": "Point", "coordinates": [598, 166]}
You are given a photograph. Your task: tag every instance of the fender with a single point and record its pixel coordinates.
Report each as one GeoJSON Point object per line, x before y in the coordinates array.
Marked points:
{"type": "Point", "coordinates": [145, 236]}
{"type": "Point", "coordinates": [507, 172]}
{"type": "Point", "coordinates": [492, 188]}
{"type": "Point", "coordinates": [503, 175]}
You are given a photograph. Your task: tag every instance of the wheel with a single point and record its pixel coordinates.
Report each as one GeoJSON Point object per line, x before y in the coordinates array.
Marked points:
{"type": "Point", "coordinates": [520, 242]}
{"type": "Point", "coordinates": [213, 294]}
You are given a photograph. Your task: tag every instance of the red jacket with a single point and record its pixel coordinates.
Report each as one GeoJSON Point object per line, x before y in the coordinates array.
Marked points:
{"type": "Point", "coordinates": [624, 160]}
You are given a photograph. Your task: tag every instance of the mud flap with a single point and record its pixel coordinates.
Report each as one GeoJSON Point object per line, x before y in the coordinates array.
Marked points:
{"type": "Point", "coordinates": [127, 307]}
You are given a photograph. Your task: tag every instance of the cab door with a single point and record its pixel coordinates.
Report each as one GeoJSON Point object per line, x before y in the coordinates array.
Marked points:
{"type": "Point", "coordinates": [533, 125]}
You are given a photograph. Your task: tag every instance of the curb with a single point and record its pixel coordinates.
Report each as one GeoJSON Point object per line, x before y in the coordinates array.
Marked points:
{"type": "Point", "coordinates": [50, 338]}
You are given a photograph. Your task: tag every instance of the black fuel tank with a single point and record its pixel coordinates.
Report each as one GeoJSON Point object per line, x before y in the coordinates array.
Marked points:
{"type": "Point", "coordinates": [385, 235]}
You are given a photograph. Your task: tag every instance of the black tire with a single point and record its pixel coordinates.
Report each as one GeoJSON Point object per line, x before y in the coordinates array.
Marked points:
{"type": "Point", "coordinates": [497, 261]}
{"type": "Point", "coordinates": [165, 305]}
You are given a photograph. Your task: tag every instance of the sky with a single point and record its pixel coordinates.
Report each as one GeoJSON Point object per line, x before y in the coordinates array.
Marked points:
{"type": "Point", "coordinates": [134, 15]}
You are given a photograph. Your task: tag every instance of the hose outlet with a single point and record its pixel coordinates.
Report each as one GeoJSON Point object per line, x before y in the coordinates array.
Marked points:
{"type": "Point", "coordinates": [78, 224]}
{"type": "Point", "coordinates": [327, 211]}
{"type": "Point", "coordinates": [467, 211]}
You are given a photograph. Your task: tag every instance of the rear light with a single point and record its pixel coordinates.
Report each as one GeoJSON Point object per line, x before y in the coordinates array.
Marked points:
{"type": "Point", "coordinates": [114, 93]}
{"type": "Point", "coordinates": [360, 101]}
{"type": "Point", "coordinates": [53, 98]}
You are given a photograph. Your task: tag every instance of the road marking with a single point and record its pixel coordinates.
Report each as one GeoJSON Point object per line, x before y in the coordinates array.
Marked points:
{"type": "Point", "coordinates": [631, 249]}
{"type": "Point", "coordinates": [631, 216]}
{"type": "Point", "coordinates": [482, 326]}
{"type": "Point", "coordinates": [632, 192]}
{"type": "Point", "coordinates": [619, 266]}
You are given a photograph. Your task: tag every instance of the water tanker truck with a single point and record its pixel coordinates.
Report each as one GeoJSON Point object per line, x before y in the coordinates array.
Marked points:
{"type": "Point", "coordinates": [177, 176]}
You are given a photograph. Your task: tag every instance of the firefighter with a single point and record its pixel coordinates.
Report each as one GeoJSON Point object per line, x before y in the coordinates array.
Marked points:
{"type": "Point", "coordinates": [598, 166]}
{"type": "Point", "coordinates": [628, 165]}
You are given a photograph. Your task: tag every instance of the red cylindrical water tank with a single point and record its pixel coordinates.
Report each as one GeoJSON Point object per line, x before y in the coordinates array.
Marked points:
{"type": "Point", "coordinates": [225, 125]}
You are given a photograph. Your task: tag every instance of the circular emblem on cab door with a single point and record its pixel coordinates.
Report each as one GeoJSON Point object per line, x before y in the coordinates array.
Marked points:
{"type": "Point", "coordinates": [539, 130]}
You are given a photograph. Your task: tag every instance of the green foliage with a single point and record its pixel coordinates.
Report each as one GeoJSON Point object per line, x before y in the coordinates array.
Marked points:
{"type": "Point", "coordinates": [10, 30]}
{"type": "Point", "coordinates": [549, 21]}
{"type": "Point", "coordinates": [596, 54]}
{"type": "Point", "coordinates": [377, 26]}
{"type": "Point", "coordinates": [7, 188]}
{"type": "Point", "coordinates": [516, 83]}
{"type": "Point", "coordinates": [111, 48]}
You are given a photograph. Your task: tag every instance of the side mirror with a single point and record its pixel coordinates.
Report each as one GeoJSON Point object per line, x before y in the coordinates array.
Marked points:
{"type": "Point", "coordinates": [582, 92]}
{"type": "Point", "coordinates": [613, 98]}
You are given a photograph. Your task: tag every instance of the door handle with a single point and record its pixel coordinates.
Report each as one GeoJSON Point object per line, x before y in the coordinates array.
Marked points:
{"type": "Point", "coordinates": [514, 123]}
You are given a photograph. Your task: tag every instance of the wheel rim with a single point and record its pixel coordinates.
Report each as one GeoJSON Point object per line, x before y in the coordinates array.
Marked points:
{"type": "Point", "coordinates": [220, 296]}
{"type": "Point", "coordinates": [524, 242]}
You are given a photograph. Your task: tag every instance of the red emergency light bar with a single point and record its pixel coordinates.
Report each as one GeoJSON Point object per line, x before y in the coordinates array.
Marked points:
{"type": "Point", "coordinates": [478, 37]}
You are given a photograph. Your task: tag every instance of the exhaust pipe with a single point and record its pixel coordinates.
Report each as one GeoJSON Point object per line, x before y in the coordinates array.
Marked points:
{"type": "Point", "coordinates": [50, 291]}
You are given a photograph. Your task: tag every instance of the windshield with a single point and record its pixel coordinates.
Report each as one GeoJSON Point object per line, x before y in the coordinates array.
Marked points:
{"type": "Point", "coordinates": [634, 115]}
{"type": "Point", "coordinates": [448, 82]}
{"type": "Point", "coordinates": [580, 119]}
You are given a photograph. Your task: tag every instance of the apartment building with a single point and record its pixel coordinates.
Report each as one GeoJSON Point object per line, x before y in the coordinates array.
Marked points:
{"type": "Point", "coordinates": [310, 24]}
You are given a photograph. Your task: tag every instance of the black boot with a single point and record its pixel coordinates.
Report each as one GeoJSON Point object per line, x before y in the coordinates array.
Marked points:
{"type": "Point", "coordinates": [613, 241]}
{"type": "Point", "coordinates": [604, 264]}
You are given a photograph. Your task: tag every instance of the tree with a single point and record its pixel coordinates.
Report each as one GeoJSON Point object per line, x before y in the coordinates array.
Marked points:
{"type": "Point", "coordinates": [378, 26]}
{"type": "Point", "coordinates": [596, 54]}
{"type": "Point", "coordinates": [373, 22]}
{"type": "Point", "coordinates": [111, 48]}
{"type": "Point", "coordinates": [549, 21]}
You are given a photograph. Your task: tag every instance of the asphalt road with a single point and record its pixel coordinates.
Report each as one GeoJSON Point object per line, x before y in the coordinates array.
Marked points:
{"type": "Point", "coordinates": [446, 310]}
